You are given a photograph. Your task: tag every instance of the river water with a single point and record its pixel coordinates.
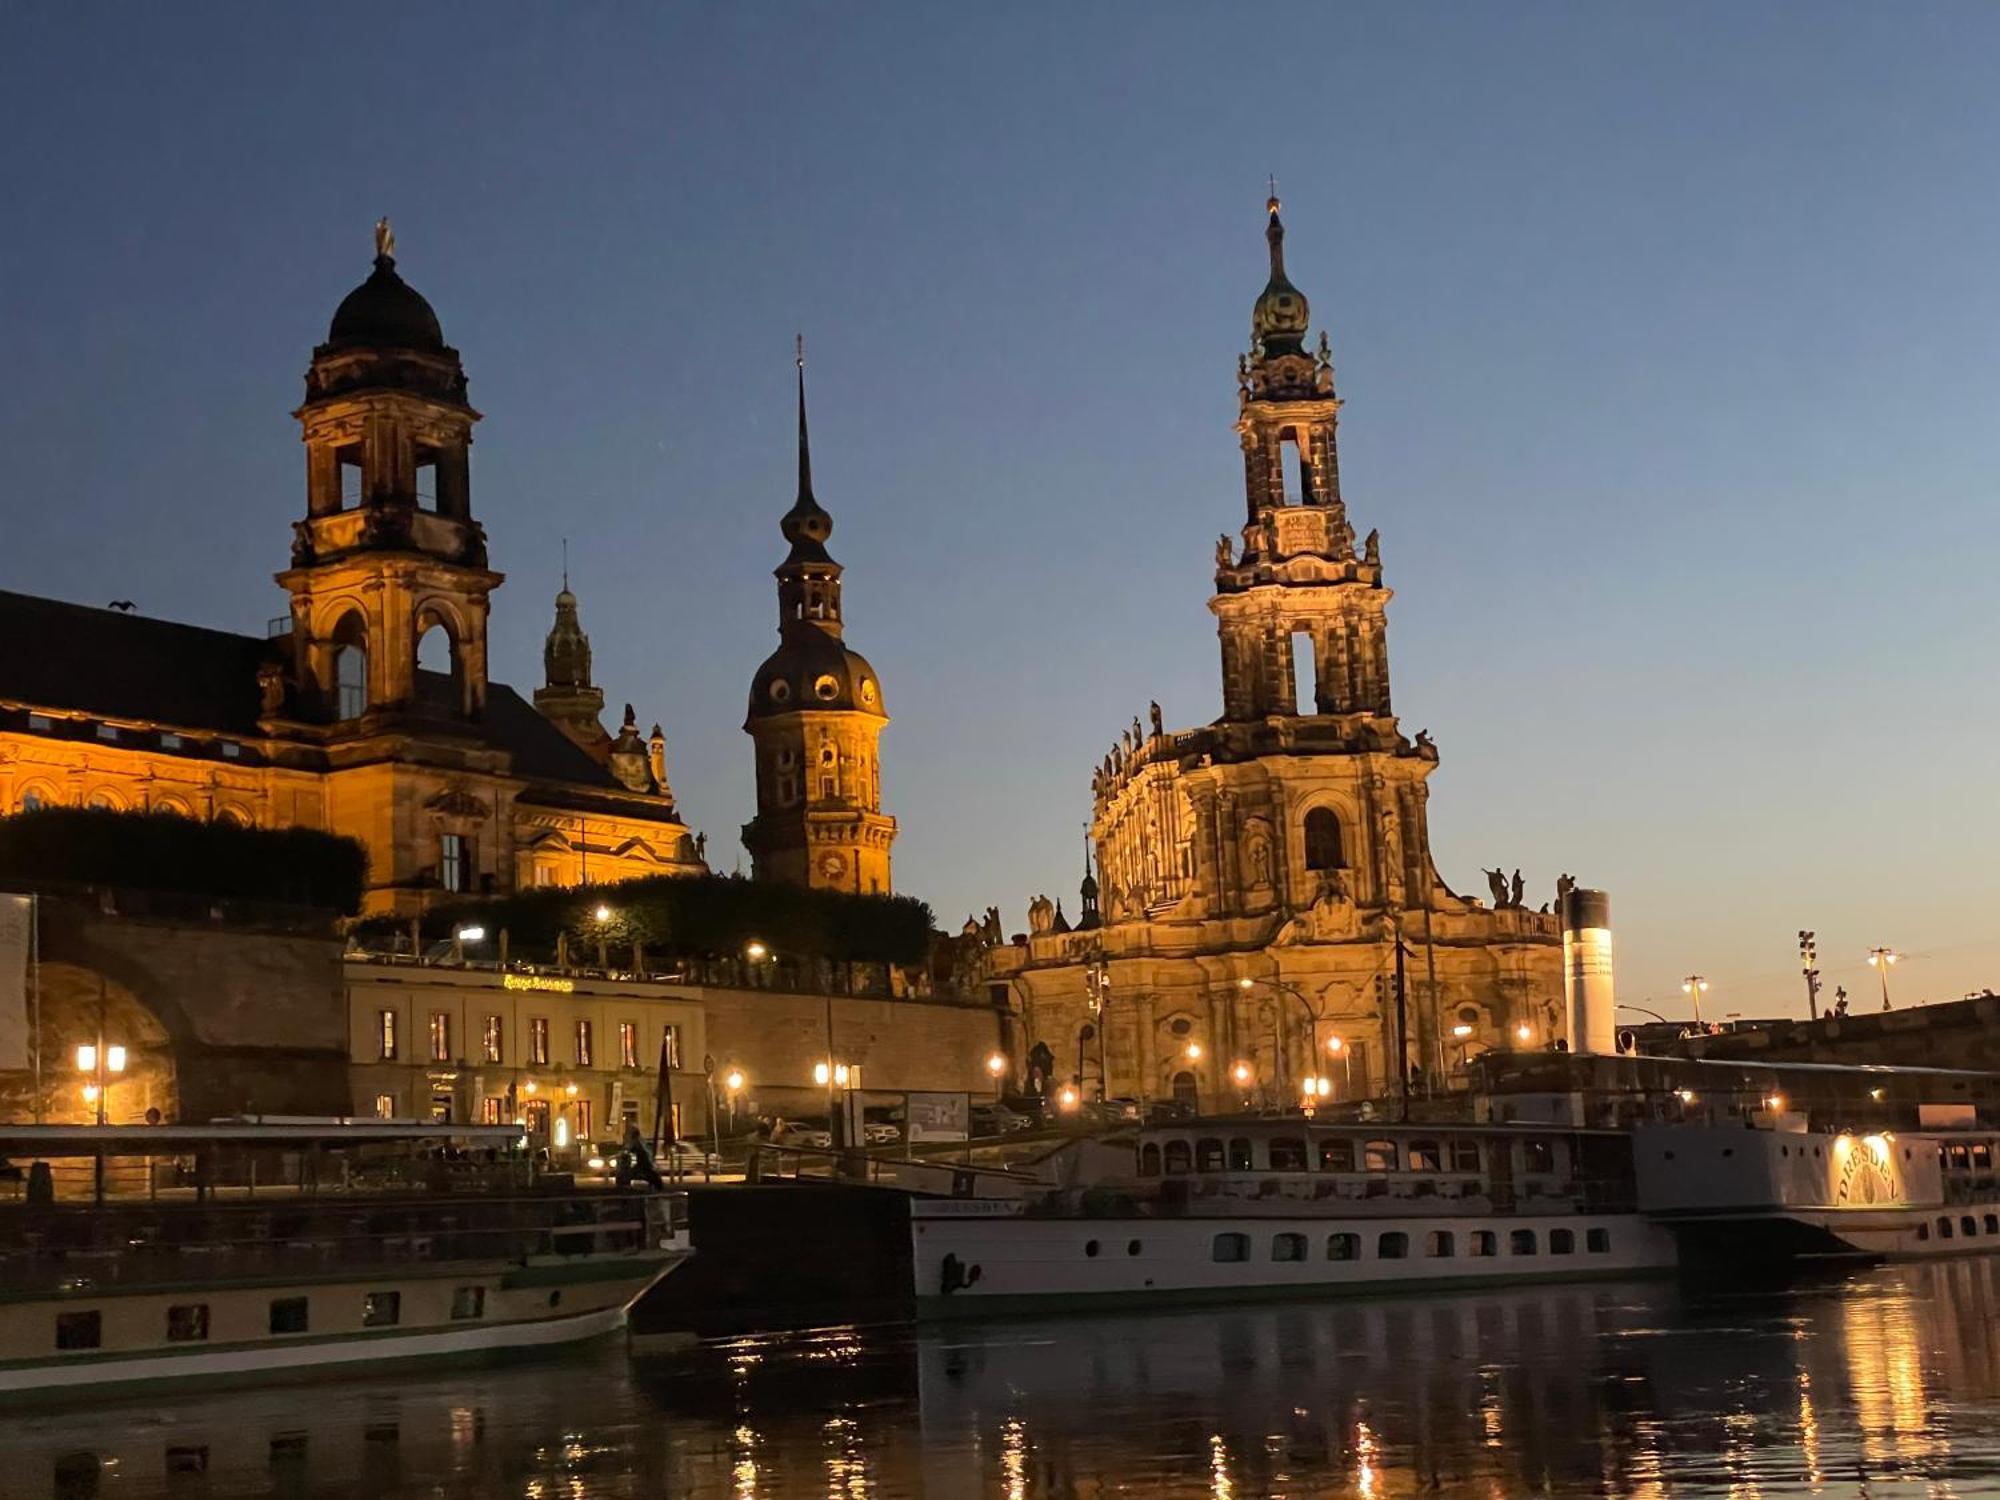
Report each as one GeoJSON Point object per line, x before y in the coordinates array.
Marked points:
{"type": "Point", "coordinates": [1882, 1383]}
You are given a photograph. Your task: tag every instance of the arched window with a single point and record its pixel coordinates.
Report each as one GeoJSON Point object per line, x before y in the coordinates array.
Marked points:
{"type": "Point", "coordinates": [437, 664]}
{"type": "Point", "coordinates": [105, 801]}
{"type": "Point", "coordinates": [1323, 840]}
{"type": "Point", "coordinates": [35, 797]}
{"type": "Point", "coordinates": [350, 668]}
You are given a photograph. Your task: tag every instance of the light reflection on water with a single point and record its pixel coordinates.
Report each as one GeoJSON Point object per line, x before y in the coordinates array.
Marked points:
{"type": "Point", "coordinates": [1886, 1383]}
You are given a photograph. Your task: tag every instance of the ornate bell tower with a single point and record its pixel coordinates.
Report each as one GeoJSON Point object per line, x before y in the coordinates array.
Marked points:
{"type": "Point", "coordinates": [389, 581]}
{"type": "Point", "coordinates": [816, 716]}
{"type": "Point", "coordinates": [1300, 612]}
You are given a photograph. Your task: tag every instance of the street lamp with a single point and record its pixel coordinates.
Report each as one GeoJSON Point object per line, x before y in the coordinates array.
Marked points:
{"type": "Point", "coordinates": [755, 951]}
{"type": "Point", "coordinates": [1067, 1098]}
{"type": "Point", "coordinates": [603, 912]}
{"type": "Point", "coordinates": [1694, 987]}
{"type": "Point", "coordinates": [1313, 1017]}
{"type": "Point", "coordinates": [1194, 1051]}
{"type": "Point", "coordinates": [1524, 1033]}
{"type": "Point", "coordinates": [1880, 959]}
{"type": "Point", "coordinates": [1461, 1034]}
{"type": "Point", "coordinates": [1809, 962]}
{"type": "Point", "coordinates": [1345, 1053]}
{"type": "Point", "coordinates": [996, 1068]}
{"type": "Point", "coordinates": [732, 1085]}
{"type": "Point", "coordinates": [1241, 1073]}
{"type": "Point", "coordinates": [101, 1062]}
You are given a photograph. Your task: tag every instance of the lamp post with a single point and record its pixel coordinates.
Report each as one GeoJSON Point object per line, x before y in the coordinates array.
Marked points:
{"type": "Point", "coordinates": [1341, 1050]}
{"type": "Point", "coordinates": [1809, 962]}
{"type": "Point", "coordinates": [1242, 1074]}
{"type": "Point", "coordinates": [732, 1085]}
{"type": "Point", "coordinates": [1462, 1035]}
{"type": "Point", "coordinates": [1694, 987]}
{"type": "Point", "coordinates": [1881, 959]}
{"type": "Point", "coordinates": [100, 1062]}
{"type": "Point", "coordinates": [1097, 985]}
{"type": "Point", "coordinates": [1313, 1018]}
{"type": "Point", "coordinates": [996, 1068]}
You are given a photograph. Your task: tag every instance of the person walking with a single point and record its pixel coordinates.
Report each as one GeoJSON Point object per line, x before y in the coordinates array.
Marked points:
{"type": "Point", "coordinates": [637, 1162]}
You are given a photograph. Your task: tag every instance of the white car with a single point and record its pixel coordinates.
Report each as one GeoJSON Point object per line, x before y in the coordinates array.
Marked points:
{"type": "Point", "coordinates": [803, 1135]}
{"type": "Point", "coordinates": [881, 1133]}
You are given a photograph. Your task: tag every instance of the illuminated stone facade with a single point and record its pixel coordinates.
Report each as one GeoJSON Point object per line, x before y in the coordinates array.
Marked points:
{"type": "Point", "coordinates": [368, 709]}
{"type": "Point", "coordinates": [1254, 874]}
{"type": "Point", "coordinates": [816, 716]}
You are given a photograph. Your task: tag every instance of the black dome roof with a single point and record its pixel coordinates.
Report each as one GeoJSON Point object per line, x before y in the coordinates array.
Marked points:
{"type": "Point", "coordinates": [812, 670]}
{"type": "Point", "coordinates": [385, 312]}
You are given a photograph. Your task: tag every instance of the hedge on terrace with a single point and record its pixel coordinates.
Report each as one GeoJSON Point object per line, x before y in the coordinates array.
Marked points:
{"type": "Point", "coordinates": [697, 916]}
{"type": "Point", "coordinates": [142, 851]}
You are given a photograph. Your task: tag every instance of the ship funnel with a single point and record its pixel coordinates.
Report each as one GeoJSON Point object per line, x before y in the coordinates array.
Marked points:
{"type": "Point", "coordinates": [1587, 988]}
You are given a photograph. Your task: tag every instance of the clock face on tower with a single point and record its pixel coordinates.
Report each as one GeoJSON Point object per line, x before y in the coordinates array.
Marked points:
{"type": "Point", "coordinates": [832, 865]}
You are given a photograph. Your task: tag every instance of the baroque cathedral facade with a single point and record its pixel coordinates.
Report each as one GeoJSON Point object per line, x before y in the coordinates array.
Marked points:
{"type": "Point", "coordinates": [1262, 880]}
{"type": "Point", "coordinates": [368, 709]}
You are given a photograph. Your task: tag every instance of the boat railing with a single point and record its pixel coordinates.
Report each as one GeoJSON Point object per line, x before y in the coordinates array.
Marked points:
{"type": "Point", "coordinates": [931, 1176]}
{"type": "Point", "coordinates": [70, 1249]}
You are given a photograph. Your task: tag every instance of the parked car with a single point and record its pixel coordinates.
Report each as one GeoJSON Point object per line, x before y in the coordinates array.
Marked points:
{"type": "Point", "coordinates": [817, 1137]}
{"type": "Point", "coordinates": [998, 1119]}
{"type": "Point", "coordinates": [603, 1159]}
{"type": "Point", "coordinates": [881, 1133]}
{"type": "Point", "coordinates": [1170, 1112]}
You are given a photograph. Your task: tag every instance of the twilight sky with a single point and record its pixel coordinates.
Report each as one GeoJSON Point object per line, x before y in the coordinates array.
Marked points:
{"type": "Point", "coordinates": [1670, 339]}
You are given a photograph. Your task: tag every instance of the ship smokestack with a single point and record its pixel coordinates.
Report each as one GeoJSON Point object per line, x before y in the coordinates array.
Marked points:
{"type": "Point", "coordinates": [1587, 988]}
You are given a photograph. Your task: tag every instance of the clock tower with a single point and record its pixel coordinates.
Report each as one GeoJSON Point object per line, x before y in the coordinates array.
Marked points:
{"type": "Point", "coordinates": [816, 716]}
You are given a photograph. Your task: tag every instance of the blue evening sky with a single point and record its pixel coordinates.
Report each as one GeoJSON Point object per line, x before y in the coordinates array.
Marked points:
{"type": "Point", "coordinates": [1670, 338]}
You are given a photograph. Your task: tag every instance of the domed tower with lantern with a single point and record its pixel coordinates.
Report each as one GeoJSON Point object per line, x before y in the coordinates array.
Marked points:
{"type": "Point", "coordinates": [816, 717]}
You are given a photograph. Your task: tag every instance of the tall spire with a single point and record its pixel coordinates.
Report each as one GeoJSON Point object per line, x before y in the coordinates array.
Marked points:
{"type": "Point", "coordinates": [1274, 234]}
{"type": "Point", "coordinates": [1279, 320]}
{"type": "Point", "coordinates": [805, 443]}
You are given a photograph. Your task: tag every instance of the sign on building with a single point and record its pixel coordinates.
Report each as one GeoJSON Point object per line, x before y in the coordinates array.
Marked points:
{"type": "Point", "coordinates": [938, 1117]}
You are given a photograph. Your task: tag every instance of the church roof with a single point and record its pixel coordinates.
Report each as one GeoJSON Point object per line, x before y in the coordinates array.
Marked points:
{"type": "Point", "coordinates": [110, 664]}
{"type": "Point", "coordinates": [385, 312]}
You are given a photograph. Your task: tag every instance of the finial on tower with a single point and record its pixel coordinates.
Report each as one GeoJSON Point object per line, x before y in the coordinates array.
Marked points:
{"type": "Point", "coordinates": [1271, 204]}
{"type": "Point", "coordinates": [805, 445]}
{"type": "Point", "coordinates": [385, 239]}
{"type": "Point", "coordinates": [565, 542]}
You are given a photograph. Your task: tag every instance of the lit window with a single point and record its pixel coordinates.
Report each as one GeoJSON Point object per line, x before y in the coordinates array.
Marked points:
{"type": "Point", "coordinates": [385, 1106]}
{"type": "Point", "coordinates": [440, 1036]}
{"type": "Point", "coordinates": [1425, 1157]}
{"type": "Point", "coordinates": [188, 1323]}
{"type": "Point", "coordinates": [1379, 1156]}
{"type": "Point", "coordinates": [385, 1030]}
{"type": "Point", "coordinates": [670, 1042]}
{"type": "Point", "coordinates": [491, 1042]}
{"type": "Point", "coordinates": [490, 1108]}
{"type": "Point", "coordinates": [454, 863]}
{"type": "Point", "coordinates": [382, 1309]}
{"type": "Point", "coordinates": [628, 1044]}
{"type": "Point", "coordinates": [583, 1044]}
{"type": "Point", "coordinates": [538, 1041]}
{"type": "Point", "coordinates": [583, 1120]}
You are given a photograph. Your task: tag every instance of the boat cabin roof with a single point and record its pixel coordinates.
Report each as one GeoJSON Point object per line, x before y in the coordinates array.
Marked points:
{"type": "Point", "coordinates": [293, 1133]}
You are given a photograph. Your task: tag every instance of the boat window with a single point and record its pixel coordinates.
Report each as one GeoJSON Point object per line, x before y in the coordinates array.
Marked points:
{"type": "Point", "coordinates": [1923, 1231]}
{"type": "Point", "coordinates": [1465, 1155]}
{"type": "Point", "coordinates": [1090, 1248]}
{"type": "Point", "coordinates": [1393, 1245]}
{"type": "Point", "coordinates": [1208, 1154]}
{"type": "Point", "coordinates": [1287, 1153]}
{"type": "Point", "coordinates": [1944, 1227]}
{"type": "Point", "coordinates": [79, 1330]}
{"type": "Point", "coordinates": [1133, 1247]}
{"type": "Point", "coordinates": [1149, 1160]}
{"type": "Point", "coordinates": [1982, 1156]}
{"type": "Point", "coordinates": [290, 1315]}
{"type": "Point", "coordinates": [1343, 1247]}
{"type": "Point", "coordinates": [1239, 1154]}
{"type": "Point", "coordinates": [1230, 1247]}
{"type": "Point", "coordinates": [1968, 1225]}
{"type": "Point", "coordinates": [468, 1302]}
{"type": "Point", "coordinates": [1597, 1241]}
{"type": "Point", "coordinates": [1562, 1242]}
{"type": "Point", "coordinates": [1425, 1157]}
{"type": "Point", "coordinates": [1336, 1154]}
{"type": "Point", "coordinates": [381, 1309]}
{"type": "Point", "coordinates": [1288, 1247]}
{"type": "Point", "coordinates": [1521, 1242]}
{"type": "Point", "coordinates": [1379, 1156]}
{"type": "Point", "coordinates": [1484, 1242]}
{"type": "Point", "coordinates": [1993, 1223]}
{"type": "Point", "coordinates": [1961, 1156]}
{"type": "Point", "coordinates": [1438, 1243]}
{"type": "Point", "coordinates": [1538, 1154]}
{"type": "Point", "coordinates": [188, 1323]}
{"type": "Point", "coordinates": [1177, 1157]}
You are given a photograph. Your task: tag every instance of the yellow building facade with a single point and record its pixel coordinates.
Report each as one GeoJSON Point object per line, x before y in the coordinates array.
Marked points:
{"type": "Point", "coordinates": [1263, 880]}
{"type": "Point", "coordinates": [368, 709]}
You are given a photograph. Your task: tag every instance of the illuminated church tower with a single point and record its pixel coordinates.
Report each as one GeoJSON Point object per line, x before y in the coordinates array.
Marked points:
{"type": "Point", "coordinates": [816, 716]}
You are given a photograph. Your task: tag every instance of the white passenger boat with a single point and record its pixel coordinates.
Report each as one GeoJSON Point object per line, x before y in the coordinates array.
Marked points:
{"type": "Point", "coordinates": [253, 1252]}
{"type": "Point", "coordinates": [1240, 1208]}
